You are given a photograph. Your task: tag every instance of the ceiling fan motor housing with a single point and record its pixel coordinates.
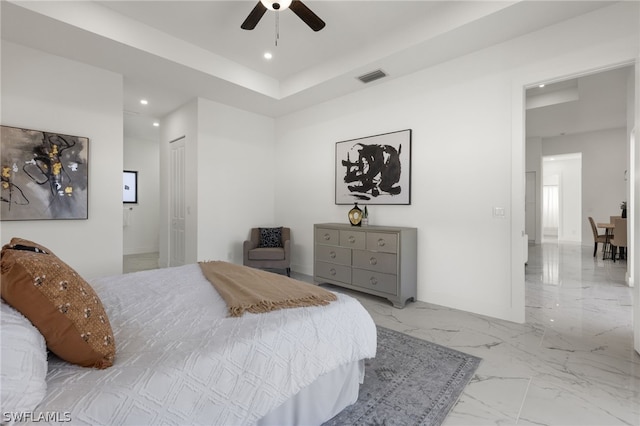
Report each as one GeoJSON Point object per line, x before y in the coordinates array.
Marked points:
{"type": "Point", "coordinates": [276, 4]}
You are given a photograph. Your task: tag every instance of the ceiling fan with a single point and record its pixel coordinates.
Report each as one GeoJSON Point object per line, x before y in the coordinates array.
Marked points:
{"type": "Point", "coordinates": [296, 6]}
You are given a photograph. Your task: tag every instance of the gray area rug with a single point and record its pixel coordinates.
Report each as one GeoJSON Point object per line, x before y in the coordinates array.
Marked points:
{"type": "Point", "coordinates": [409, 382]}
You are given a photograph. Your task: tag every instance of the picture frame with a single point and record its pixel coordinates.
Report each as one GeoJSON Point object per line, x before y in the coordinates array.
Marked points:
{"type": "Point", "coordinates": [374, 169]}
{"type": "Point", "coordinates": [130, 187]}
{"type": "Point", "coordinates": [44, 175]}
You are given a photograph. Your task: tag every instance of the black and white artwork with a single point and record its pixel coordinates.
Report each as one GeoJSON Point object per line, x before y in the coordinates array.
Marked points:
{"type": "Point", "coordinates": [374, 169]}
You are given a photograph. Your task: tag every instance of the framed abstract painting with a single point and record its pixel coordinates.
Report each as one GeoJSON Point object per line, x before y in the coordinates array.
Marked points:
{"type": "Point", "coordinates": [44, 175]}
{"type": "Point", "coordinates": [374, 169]}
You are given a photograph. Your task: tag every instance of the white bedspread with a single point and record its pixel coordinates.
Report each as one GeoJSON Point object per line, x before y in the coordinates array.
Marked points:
{"type": "Point", "coordinates": [180, 360]}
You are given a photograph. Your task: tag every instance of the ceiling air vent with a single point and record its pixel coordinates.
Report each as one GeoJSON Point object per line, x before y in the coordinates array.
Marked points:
{"type": "Point", "coordinates": [372, 76]}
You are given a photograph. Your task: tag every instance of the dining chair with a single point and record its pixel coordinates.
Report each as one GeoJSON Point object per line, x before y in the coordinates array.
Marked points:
{"type": "Point", "coordinates": [609, 232]}
{"type": "Point", "coordinates": [619, 239]}
{"type": "Point", "coordinates": [597, 238]}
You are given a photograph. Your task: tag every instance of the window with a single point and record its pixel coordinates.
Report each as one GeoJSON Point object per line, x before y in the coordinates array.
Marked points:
{"type": "Point", "coordinates": [130, 187]}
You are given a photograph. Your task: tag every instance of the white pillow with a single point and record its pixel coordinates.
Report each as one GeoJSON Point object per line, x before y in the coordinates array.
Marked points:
{"type": "Point", "coordinates": [23, 362]}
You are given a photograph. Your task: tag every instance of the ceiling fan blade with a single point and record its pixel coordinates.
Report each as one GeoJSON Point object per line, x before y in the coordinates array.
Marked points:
{"type": "Point", "coordinates": [304, 13]}
{"type": "Point", "coordinates": [254, 17]}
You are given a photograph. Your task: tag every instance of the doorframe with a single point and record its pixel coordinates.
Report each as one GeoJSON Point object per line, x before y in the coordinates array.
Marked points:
{"type": "Point", "coordinates": [532, 236]}
{"type": "Point", "coordinates": [177, 185]}
{"type": "Point", "coordinates": [633, 175]}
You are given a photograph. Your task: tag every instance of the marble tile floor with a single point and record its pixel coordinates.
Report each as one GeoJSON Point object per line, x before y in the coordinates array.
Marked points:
{"type": "Point", "coordinates": [571, 363]}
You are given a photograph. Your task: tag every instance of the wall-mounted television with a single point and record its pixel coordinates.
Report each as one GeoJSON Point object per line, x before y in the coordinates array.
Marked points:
{"type": "Point", "coordinates": [130, 187]}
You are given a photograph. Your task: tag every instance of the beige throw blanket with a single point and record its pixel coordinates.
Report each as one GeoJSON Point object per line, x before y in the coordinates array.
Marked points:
{"type": "Point", "coordinates": [252, 290]}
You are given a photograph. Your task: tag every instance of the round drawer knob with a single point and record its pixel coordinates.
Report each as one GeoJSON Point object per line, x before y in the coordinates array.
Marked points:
{"type": "Point", "coordinates": [381, 242]}
{"type": "Point", "coordinates": [332, 271]}
{"type": "Point", "coordinates": [332, 255]}
{"type": "Point", "coordinates": [352, 239]}
{"type": "Point", "coordinates": [373, 261]}
{"type": "Point", "coordinates": [373, 281]}
{"type": "Point", "coordinates": [327, 237]}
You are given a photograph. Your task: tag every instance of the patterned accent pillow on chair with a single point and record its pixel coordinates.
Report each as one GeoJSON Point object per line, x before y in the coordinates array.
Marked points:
{"type": "Point", "coordinates": [270, 237]}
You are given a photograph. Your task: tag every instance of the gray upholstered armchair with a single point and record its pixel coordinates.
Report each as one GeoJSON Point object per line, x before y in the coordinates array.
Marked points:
{"type": "Point", "coordinates": [268, 248]}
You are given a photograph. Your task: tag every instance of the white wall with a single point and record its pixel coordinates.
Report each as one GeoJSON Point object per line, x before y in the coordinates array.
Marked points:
{"type": "Point", "coordinates": [142, 220]}
{"type": "Point", "coordinates": [604, 159]}
{"type": "Point", "coordinates": [230, 177]}
{"type": "Point", "coordinates": [46, 92]}
{"type": "Point", "coordinates": [236, 168]}
{"type": "Point", "coordinates": [467, 121]}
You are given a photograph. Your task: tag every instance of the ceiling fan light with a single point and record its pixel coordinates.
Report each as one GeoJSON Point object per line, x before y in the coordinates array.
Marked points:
{"type": "Point", "coordinates": [279, 4]}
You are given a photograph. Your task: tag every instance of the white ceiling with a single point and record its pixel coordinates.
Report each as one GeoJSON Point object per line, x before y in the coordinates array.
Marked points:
{"type": "Point", "coordinates": [172, 51]}
{"type": "Point", "coordinates": [588, 103]}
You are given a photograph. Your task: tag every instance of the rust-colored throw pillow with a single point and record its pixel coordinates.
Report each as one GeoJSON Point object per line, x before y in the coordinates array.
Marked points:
{"type": "Point", "coordinates": [62, 305]}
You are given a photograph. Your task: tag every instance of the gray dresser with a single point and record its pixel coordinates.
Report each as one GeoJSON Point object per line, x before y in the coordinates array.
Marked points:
{"type": "Point", "coordinates": [378, 260]}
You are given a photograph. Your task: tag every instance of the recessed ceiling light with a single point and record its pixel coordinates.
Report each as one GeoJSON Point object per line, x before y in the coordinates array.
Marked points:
{"type": "Point", "coordinates": [144, 101]}
{"type": "Point", "coordinates": [268, 55]}
{"type": "Point", "coordinates": [156, 124]}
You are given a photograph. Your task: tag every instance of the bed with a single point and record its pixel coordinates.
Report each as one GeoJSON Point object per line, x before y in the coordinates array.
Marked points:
{"type": "Point", "coordinates": [181, 359]}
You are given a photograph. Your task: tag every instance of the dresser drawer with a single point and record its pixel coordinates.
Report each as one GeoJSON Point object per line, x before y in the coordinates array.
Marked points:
{"type": "Point", "coordinates": [380, 241]}
{"type": "Point", "coordinates": [331, 254]}
{"type": "Point", "coordinates": [328, 236]}
{"type": "Point", "coordinates": [375, 261]}
{"type": "Point", "coordinates": [386, 283]}
{"type": "Point", "coordinates": [353, 239]}
{"type": "Point", "coordinates": [332, 271]}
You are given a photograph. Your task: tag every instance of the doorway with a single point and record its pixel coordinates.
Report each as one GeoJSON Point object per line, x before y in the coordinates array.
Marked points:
{"type": "Point", "coordinates": [600, 168]}
{"type": "Point", "coordinates": [562, 198]}
{"type": "Point", "coordinates": [550, 208]}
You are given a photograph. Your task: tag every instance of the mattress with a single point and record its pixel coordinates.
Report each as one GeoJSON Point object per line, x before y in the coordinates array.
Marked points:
{"type": "Point", "coordinates": [181, 360]}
